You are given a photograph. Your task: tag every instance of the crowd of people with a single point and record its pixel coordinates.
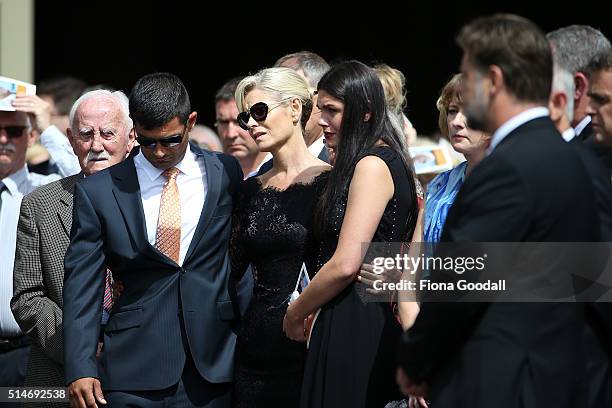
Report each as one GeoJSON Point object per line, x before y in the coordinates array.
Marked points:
{"type": "Point", "coordinates": [148, 260]}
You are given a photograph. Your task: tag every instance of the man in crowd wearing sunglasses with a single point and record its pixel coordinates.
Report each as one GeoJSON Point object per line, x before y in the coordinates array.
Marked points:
{"type": "Point", "coordinates": [100, 132]}
{"type": "Point", "coordinates": [15, 181]}
{"type": "Point", "coordinates": [161, 221]}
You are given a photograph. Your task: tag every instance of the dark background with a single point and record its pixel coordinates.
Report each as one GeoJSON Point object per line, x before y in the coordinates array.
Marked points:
{"type": "Point", "coordinates": [206, 43]}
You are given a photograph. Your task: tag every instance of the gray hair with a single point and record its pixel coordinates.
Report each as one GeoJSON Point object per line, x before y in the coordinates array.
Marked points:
{"type": "Point", "coordinates": [313, 65]}
{"type": "Point", "coordinates": [575, 45]}
{"type": "Point", "coordinates": [563, 81]}
{"type": "Point", "coordinates": [118, 96]}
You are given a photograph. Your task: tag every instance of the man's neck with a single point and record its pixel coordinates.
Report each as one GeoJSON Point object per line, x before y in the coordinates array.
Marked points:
{"type": "Point", "coordinates": [251, 163]}
{"type": "Point", "coordinates": [7, 172]}
{"type": "Point", "coordinates": [580, 109]}
{"type": "Point", "coordinates": [310, 139]}
{"type": "Point", "coordinates": [503, 112]}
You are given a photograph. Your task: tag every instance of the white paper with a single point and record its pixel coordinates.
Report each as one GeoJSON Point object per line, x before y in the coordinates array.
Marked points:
{"type": "Point", "coordinates": [430, 159]}
{"type": "Point", "coordinates": [9, 88]}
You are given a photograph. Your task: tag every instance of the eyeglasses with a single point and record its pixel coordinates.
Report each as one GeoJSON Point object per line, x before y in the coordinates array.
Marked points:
{"type": "Point", "coordinates": [258, 111]}
{"type": "Point", "coordinates": [170, 141]}
{"type": "Point", "coordinates": [13, 132]}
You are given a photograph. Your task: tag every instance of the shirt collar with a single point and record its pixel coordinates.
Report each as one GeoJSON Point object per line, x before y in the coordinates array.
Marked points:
{"type": "Point", "coordinates": [513, 123]}
{"type": "Point", "coordinates": [13, 181]}
{"type": "Point", "coordinates": [187, 165]}
{"type": "Point", "coordinates": [267, 158]}
{"type": "Point", "coordinates": [316, 147]}
{"type": "Point", "coordinates": [568, 134]}
{"type": "Point", "coordinates": [583, 123]}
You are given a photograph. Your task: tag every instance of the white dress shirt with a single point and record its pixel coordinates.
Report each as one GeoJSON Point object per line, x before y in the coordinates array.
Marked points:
{"type": "Point", "coordinates": [568, 134]}
{"type": "Point", "coordinates": [192, 187]}
{"type": "Point", "coordinates": [17, 185]}
{"type": "Point", "coordinates": [316, 147]}
{"type": "Point", "coordinates": [513, 123]}
{"type": "Point", "coordinates": [60, 150]}
{"type": "Point", "coordinates": [583, 123]}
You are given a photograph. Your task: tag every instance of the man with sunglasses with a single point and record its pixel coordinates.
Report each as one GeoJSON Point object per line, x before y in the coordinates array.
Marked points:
{"type": "Point", "coordinates": [161, 221]}
{"type": "Point", "coordinates": [15, 181]}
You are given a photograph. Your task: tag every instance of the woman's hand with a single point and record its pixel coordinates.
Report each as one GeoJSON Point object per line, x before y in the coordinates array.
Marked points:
{"type": "Point", "coordinates": [417, 402]}
{"type": "Point", "coordinates": [294, 326]}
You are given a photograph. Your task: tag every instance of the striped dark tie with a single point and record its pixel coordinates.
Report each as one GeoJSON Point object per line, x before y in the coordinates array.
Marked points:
{"type": "Point", "coordinates": [108, 291]}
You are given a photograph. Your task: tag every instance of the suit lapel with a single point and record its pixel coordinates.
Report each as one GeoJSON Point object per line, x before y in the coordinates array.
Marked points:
{"type": "Point", "coordinates": [323, 155]}
{"type": "Point", "coordinates": [64, 209]}
{"type": "Point", "coordinates": [214, 174]}
{"type": "Point", "coordinates": [127, 193]}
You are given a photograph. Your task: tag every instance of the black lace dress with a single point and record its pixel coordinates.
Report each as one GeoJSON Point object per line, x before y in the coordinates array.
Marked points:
{"type": "Point", "coordinates": [351, 360]}
{"type": "Point", "coordinates": [272, 231]}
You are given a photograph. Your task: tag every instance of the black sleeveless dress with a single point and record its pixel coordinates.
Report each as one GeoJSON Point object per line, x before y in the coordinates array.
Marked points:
{"type": "Point", "coordinates": [351, 360]}
{"type": "Point", "coordinates": [272, 231]}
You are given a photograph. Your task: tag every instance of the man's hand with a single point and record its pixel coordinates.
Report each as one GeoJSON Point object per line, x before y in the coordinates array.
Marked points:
{"type": "Point", "coordinates": [85, 392]}
{"type": "Point", "coordinates": [367, 276]}
{"type": "Point", "coordinates": [38, 110]}
{"type": "Point", "coordinates": [99, 350]}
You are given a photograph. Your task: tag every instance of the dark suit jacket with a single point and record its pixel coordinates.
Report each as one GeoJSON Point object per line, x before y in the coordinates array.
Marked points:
{"type": "Point", "coordinates": [532, 187]}
{"type": "Point", "coordinates": [165, 310]}
{"type": "Point", "coordinates": [583, 136]}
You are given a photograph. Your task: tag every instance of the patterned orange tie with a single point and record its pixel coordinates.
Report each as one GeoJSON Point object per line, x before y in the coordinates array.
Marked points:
{"type": "Point", "coordinates": [168, 235]}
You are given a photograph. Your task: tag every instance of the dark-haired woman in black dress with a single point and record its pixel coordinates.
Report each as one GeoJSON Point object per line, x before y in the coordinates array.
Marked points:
{"type": "Point", "coordinates": [370, 197]}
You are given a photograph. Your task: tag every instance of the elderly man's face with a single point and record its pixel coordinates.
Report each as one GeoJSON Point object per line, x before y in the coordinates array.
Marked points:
{"type": "Point", "coordinates": [100, 135]}
{"type": "Point", "coordinates": [15, 138]}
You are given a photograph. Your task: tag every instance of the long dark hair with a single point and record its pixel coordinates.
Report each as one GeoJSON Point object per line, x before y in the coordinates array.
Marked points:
{"type": "Point", "coordinates": [359, 88]}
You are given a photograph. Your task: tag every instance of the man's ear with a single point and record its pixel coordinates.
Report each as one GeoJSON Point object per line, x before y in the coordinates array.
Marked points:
{"type": "Point", "coordinates": [192, 119]}
{"type": "Point", "coordinates": [131, 140]}
{"type": "Point", "coordinates": [556, 105]}
{"type": "Point", "coordinates": [582, 85]}
{"type": "Point", "coordinates": [496, 76]}
{"type": "Point", "coordinates": [31, 137]}
{"type": "Point", "coordinates": [70, 137]}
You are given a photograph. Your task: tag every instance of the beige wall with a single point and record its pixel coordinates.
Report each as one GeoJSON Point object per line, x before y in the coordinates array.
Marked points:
{"type": "Point", "coordinates": [17, 39]}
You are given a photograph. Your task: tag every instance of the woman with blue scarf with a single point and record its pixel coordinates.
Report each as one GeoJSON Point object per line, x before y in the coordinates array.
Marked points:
{"type": "Point", "coordinates": [443, 189]}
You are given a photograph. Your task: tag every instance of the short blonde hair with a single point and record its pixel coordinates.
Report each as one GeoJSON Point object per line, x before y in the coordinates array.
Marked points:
{"type": "Point", "coordinates": [393, 82]}
{"type": "Point", "coordinates": [281, 84]}
{"type": "Point", "coordinates": [452, 90]}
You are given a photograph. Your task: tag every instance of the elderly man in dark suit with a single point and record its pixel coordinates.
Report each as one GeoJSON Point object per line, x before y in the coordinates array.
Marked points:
{"type": "Point", "coordinates": [532, 187]}
{"type": "Point", "coordinates": [161, 222]}
{"type": "Point", "coordinates": [101, 136]}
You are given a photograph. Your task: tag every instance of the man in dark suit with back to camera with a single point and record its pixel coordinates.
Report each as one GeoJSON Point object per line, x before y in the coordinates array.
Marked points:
{"type": "Point", "coordinates": [161, 222]}
{"type": "Point", "coordinates": [531, 187]}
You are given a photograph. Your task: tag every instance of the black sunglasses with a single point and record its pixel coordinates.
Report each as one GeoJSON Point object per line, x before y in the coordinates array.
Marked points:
{"type": "Point", "coordinates": [258, 111]}
{"type": "Point", "coordinates": [13, 132]}
{"type": "Point", "coordinates": [170, 141]}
